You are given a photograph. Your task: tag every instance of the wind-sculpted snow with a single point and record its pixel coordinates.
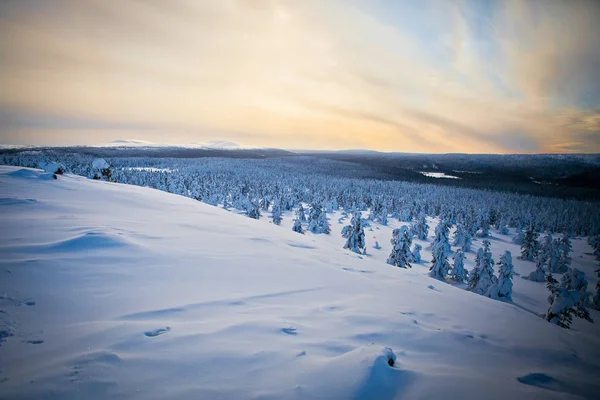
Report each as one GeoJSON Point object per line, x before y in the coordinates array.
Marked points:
{"type": "Point", "coordinates": [117, 291]}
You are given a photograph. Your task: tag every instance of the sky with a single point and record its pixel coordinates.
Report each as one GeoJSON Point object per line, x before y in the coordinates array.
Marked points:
{"type": "Point", "coordinates": [434, 76]}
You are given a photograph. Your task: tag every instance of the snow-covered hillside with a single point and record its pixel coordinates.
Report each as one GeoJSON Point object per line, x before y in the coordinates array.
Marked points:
{"type": "Point", "coordinates": [110, 290]}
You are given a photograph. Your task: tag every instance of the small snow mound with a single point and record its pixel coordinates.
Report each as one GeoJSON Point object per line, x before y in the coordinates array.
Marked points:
{"type": "Point", "coordinates": [92, 240]}
{"type": "Point", "coordinates": [369, 372]}
{"type": "Point", "coordinates": [29, 173]}
{"type": "Point", "coordinates": [25, 173]}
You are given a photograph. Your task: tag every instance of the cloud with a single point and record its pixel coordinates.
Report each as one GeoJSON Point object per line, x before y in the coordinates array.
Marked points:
{"type": "Point", "coordinates": [438, 76]}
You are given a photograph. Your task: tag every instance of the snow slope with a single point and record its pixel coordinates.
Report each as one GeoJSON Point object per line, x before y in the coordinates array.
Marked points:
{"type": "Point", "coordinates": [110, 290]}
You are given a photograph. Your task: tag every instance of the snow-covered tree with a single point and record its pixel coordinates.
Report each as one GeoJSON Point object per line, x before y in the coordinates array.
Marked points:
{"type": "Point", "coordinates": [502, 289]}
{"type": "Point", "coordinates": [575, 279]}
{"type": "Point", "coordinates": [420, 228]}
{"type": "Point", "coordinates": [519, 236]}
{"type": "Point", "coordinates": [553, 258]}
{"type": "Point", "coordinates": [317, 220]}
{"type": "Point", "coordinates": [416, 253]}
{"type": "Point", "coordinates": [566, 299]}
{"type": "Point", "coordinates": [382, 216]}
{"type": "Point", "coordinates": [565, 242]}
{"type": "Point", "coordinates": [539, 274]}
{"type": "Point", "coordinates": [561, 303]}
{"type": "Point", "coordinates": [529, 248]}
{"type": "Point", "coordinates": [481, 277]}
{"type": "Point", "coordinates": [440, 250]}
{"type": "Point", "coordinates": [564, 249]}
{"type": "Point", "coordinates": [276, 214]}
{"type": "Point", "coordinates": [355, 235]}
{"type": "Point", "coordinates": [401, 254]}
{"type": "Point", "coordinates": [298, 226]}
{"type": "Point", "coordinates": [466, 246]}
{"type": "Point", "coordinates": [459, 236]}
{"type": "Point", "coordinates": [252, 209]}
{"type": "Point", "coordinates": [301, 216]}
{"type": "Point", "coordinates": [502, 227]}
{"type": "Point", "coordinates": [547, 246]}
{"type": "Point", "coordinates": [484, 226]}
{"type": "Point", "coordinates": [102, 169]}
{"type": "Point", "coordinates": [459, 273]}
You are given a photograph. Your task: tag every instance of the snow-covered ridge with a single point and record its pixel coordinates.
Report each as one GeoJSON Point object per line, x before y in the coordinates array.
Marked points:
{"type": "Point", "coordinates": [110, 290]}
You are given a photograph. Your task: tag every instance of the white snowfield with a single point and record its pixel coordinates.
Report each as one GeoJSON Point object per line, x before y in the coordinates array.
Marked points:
{"type": "Point", "coordinates": [116, 291]}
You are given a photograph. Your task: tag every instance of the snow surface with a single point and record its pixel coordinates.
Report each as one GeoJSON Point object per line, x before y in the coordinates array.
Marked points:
{"type": "Point", "coordinates": [109, 290]}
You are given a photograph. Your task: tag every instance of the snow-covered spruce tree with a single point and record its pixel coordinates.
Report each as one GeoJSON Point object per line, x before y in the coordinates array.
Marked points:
{"type": "Point", "coordinates": [404, 215]}
{"type": "Point", "coordinates": [502, 289]}
{"type": "Point", "coordinates": [401, 254]}
{"type": "Point", "coordinates": [566, 301]}
{"type": "Point", "coordinates": [440, 250]}
{"type": "Point", "coordinates": [547, 246]}
{"type": "Point", "coordinates": [564, 259]}
{"type": "Point", "coordinates": [575, 279]}
{"type": "Point", "coordinates": [300, 214]}
{"type": "Point", "coordinates": [416, 253]}
{"type": "Point", "coordinates": [317, 220]}
{"type": "Point", "coordinates": [355, 235]}
{"type": "Point", "coordinates": [484, 226]}
{"type": "Point", "coordinates": [518, 238]}
{"type": "Point", "coordinates": [252, 209]}
{"type": "Point", "coordinates": [298, 226]}
{"type": "Point", "coordinates": [561, 303]}
{"type": "Point", "coordinates": [481, 278]}
{"type": "Point", "coordinates": [420, 228]}
{"type": "Point", "coordinates": [553, 257]}
{"type": "Point", "coordinates": [565, 242]}
{"type": "Point", "coordinates": [502, 226]}
{"type": "Point", "coordinates": [459, 273]}
{"type": "Point", "coordinates": [276, 214]}
{"type": "Point", "coordinates": [530, 246]}
{"type": "Point", "coordinates": [459, 236]}
{"type": "Point", "coordinates": [466, 246]}
{"type": "Point", "coordinates": [382, 216]}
